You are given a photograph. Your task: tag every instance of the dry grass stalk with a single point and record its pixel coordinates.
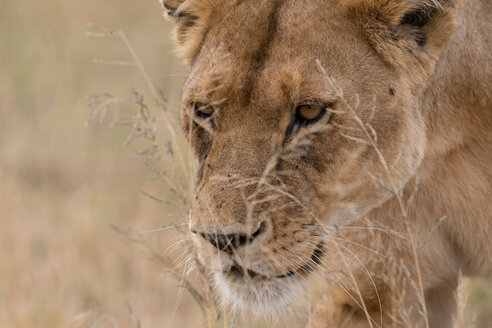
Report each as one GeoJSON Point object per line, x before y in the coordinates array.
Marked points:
{"type": "Point", "coordinates": [160, 153]}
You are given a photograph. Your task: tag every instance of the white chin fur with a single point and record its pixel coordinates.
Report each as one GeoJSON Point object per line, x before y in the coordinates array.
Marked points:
{"type": "Point", "coordinates": [262, 299]}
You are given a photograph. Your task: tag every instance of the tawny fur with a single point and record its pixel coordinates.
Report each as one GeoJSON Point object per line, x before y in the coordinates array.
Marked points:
{"type": "Point", "coordinates": [425, 91]}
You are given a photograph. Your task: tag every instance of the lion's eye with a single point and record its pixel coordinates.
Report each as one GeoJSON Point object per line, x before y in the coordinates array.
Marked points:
{"type": "Point", "coordinates": [308, 114]}
{"type": "Point", "coordinates": [202, 110]}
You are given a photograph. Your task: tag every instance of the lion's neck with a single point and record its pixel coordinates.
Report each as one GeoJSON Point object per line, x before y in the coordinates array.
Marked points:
{"type": "Point", "coordinates": [456, 180]}
{"type": "Point", "coordinates": [457, 102]}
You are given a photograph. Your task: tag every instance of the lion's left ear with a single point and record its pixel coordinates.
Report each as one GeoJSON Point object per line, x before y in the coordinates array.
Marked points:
{"type": "Point", "coordinates": [190, 18]}
{"type": "Point", "coordinates": [398, 29]}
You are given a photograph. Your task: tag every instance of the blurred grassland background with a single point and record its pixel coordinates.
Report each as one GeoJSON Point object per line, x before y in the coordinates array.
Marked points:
{"type": "Point", "coordinates": [63, 185]}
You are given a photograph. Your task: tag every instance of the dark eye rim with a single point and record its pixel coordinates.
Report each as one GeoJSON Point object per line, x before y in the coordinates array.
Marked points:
{"type": "Point", "coordinates": [199, 113]}
{"type": "Point", "coordinates": [303, 121]}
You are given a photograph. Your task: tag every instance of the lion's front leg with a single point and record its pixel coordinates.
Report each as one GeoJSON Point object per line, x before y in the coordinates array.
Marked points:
{"type": "Point", "coordinates": [339, 311]}
{"type": "Point", "coordinates": [372, 283]}
{"type": "Point", "coordinates": [381, 290]}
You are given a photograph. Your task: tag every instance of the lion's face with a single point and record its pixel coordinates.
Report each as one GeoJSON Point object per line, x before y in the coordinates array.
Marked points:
{"type": "Point", "coordinates": [298, 113]}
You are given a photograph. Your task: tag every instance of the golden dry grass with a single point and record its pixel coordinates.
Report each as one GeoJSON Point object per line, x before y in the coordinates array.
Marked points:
{"type": "Point", "coordinates": [64, 185]}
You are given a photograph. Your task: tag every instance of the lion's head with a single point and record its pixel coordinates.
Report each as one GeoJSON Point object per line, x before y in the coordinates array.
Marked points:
{"type": "Point", "coordinates": [297, 111]}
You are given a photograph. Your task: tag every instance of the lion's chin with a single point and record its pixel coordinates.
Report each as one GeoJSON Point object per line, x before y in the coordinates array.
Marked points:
{"type": "Point", "coordinates": [260, 297]}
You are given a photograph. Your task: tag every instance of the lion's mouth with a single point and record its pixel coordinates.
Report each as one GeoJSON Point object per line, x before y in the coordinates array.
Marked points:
{"type": "Point", "coordinates": [238, 271]}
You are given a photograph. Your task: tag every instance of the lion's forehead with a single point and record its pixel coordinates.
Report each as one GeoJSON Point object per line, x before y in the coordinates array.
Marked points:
{"type": "Point", "coordinates": [268, 49]}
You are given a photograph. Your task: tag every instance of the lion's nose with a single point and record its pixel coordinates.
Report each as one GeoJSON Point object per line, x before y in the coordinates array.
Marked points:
{"type": "Point", "coordinates": [230, 242]}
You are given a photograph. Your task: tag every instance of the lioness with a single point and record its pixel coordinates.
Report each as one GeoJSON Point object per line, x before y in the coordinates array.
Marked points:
{"type": "Point", "coordinates": [346, 138]}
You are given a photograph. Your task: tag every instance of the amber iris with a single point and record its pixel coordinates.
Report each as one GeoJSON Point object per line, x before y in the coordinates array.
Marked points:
{"type": "Point", "coordinates": [310, 113]}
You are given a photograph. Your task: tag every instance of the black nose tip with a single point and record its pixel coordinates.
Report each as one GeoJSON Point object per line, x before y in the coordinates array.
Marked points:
{"type": "Point", "coordinates": [229, 242]}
